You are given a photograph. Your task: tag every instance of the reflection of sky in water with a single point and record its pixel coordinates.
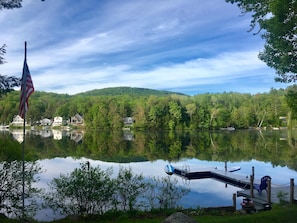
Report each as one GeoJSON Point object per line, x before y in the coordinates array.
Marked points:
{"type": "Point", "coordinates": [204, 192]}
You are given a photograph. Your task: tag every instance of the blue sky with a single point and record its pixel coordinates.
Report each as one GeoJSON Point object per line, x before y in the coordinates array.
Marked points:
{"type": "Point", "coordinates": [190, 47]}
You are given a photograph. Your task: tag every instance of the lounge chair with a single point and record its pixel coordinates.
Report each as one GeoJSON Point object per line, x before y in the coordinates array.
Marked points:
{"type": "Point", "coordinates": [263, 185]}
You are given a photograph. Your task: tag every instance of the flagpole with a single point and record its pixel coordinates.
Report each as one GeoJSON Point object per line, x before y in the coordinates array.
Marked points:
{"type": "Point", "coordinates": [24, 138]}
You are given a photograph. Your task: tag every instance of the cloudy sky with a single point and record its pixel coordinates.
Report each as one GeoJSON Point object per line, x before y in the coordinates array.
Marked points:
{"type": "Point", "coordinates": [190, 47]}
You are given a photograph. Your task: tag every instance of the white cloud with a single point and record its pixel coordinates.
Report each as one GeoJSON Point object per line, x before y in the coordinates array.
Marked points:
{"type": "Point", "coordinates": [153, 44]}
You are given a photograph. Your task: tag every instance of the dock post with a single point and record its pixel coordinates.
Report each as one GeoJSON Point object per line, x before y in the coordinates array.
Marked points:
{"type": "Point", "coordinates": [269, 191]}
{"type": "Point", "coordinates": [234, 201]}
{"type": "Point", "coordinates": [252, 185]}
{"type": "Point", "coordinates": [253, 171]}
{"type": "Point", "coordinates": [225, 166]}
{"type": "Point", "coordinates": [291, 190]}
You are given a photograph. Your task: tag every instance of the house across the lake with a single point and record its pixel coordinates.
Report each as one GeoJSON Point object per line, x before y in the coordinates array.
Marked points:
{"type": "Point", "coordinates": [45, 122]}
{"type": "Point", "coordinates": [128, 121]}
{"type": "Point", "coordinates": [18, 121]}
{"type": "Point", "coordinates": [76, 120]}
{"type": "Point", "coordinates": [58, 121]}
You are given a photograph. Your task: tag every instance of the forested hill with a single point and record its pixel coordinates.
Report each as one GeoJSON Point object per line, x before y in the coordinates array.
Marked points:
{"type": "Point", "coordinates": [115, 91]}
{"type": "Point", "coordinates": [152, 109]}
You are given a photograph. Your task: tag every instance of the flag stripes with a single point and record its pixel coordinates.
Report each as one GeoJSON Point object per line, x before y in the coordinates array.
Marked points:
{"type": "Point", "coordinates": [27, 89]}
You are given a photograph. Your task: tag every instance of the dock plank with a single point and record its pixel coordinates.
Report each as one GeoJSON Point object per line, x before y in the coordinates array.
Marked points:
{"type": "Point", "coordinates": [275, 194]}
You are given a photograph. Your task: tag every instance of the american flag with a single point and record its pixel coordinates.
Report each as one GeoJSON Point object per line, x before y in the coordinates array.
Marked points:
{"type": "Point", "coordinates": [27, 89]}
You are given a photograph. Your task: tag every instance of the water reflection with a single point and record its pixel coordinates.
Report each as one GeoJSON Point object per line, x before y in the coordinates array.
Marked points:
{"type": "Point", "coordinates": [203, 193]}
{"type": "Point", "coordinates": [55, 134]}
{"type": "Point", "coordinates": [272, 153]}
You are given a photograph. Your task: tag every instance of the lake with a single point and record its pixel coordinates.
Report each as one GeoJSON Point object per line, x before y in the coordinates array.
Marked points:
{"type": "Point", "coordinates": [272, 153]}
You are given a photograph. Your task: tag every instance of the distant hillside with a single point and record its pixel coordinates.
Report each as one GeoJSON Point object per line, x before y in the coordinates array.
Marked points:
{"type": "Point", "coordinates": [114, 91]}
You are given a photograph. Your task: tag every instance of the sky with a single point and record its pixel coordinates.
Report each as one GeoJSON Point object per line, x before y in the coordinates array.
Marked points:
{"type": "Point", "coordinates": [190, 47]}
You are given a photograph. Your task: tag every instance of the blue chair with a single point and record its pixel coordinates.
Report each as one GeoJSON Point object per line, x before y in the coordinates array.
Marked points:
{"type": "Point", "coordinates": [263, 185]}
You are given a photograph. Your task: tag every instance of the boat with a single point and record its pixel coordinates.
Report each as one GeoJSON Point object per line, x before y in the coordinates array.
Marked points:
{"type": "Point", "coordinates": [228, 128]}
{"type": "Point", "coordinates": [169, 169]}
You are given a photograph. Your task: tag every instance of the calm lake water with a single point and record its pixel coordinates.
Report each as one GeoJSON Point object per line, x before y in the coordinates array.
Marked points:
{"type": "Point", "coordinates": [272, 153]}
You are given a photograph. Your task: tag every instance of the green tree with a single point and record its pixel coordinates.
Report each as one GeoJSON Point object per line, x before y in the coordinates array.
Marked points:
{"type": "Point", "coordinates": [163, 193]}
{"type": "Point", "coordinates": [168, 193]}
{"type": "Point", "coordinates": [277, 19]}
{"type": "Point", "coordinates": [85, 191]}
{"type": "Point", "coordinates": [10, 4]}
{"type": "Point", "coordinates": [129, 188]}
{"type": "Point", "coordinates": [11, 187]}
{"type": "Point", "coordinates": [291, 99]}
{"type": "Point", "coordinates": [175, 112]}
{"type": "Point", "coordinates": [7, 83]}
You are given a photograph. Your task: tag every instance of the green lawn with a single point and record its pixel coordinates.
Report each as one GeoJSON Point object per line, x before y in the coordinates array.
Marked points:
{"type": "Point", "coordinates": [278, 214]}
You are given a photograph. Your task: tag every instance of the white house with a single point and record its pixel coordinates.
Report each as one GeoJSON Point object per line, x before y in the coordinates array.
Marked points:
{"type": "Point", "coordinates": [128, 121]}
{"type": "Point", "coordinates": [18, 121]}
{"type": "Point", "coordinates": [45, 122]}
{"type": "Point", "coordinates": [58, 121]}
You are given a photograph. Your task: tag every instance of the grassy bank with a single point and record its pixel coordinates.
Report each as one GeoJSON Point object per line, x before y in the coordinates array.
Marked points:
{"type": "Point", "coordinates": [279, 214]}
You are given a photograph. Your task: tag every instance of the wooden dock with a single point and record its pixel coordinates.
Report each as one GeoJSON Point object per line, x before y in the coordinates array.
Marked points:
{"type": "Point", "coordinates": [278, 194]}
{"type": "Point", "coordinates": [262, 200]}
{"type": "Point", "coordinates": [224, 176]}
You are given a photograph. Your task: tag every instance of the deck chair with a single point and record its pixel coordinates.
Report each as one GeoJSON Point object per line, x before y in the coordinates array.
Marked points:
{"type": "Point", "coordinates": [263, 185]}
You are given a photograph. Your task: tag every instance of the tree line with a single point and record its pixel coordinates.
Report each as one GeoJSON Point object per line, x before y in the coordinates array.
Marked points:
{"type": "Point", "coordinates": [166, 112]}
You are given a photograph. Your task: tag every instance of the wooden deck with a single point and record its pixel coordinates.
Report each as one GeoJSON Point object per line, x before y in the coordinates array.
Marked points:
{"type": "Point", "coordinates": [261, 200]}
{"type": "Point", "coordinates": [278, 194]}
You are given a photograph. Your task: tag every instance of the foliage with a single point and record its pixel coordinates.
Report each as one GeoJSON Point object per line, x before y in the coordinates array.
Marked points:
{"type": "Point", "coordinates": [129, 187]}
{"type": "Point", "coordinates": [278, 19]}
{"type": "Point", "coordinates": [277, 147]}
{"type": "Point", "coordinates": [151, 112]}
{"type": "Point", "coordinates": [115, 91]}
{"type": "Point", "coordinates": [10, 4]}
{"type": "Point", "coordinates": [163, 193]}
{"type": "Point", "coordinates": [85, 191]}
{"type": "Point", "coordinates": [2, 52]}
{"type": "Point", "coordinates": [278, 214]}
{"type": "Point", "coordinates": [11, 188]}
{"type": "Point", "coordinates": [91, 191]}
{"type": "Point", "coordinates": [291, 99]}
{"type": "Point", "coordinates": [7, 83]}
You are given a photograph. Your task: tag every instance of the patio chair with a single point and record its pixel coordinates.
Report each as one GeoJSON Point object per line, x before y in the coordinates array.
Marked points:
{"type": "Point", "coordinates": [263, 184]}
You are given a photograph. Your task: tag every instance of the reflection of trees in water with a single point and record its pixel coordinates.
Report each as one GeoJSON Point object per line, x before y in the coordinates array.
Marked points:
{"type": "Point", "coordinates": [277, 147]}
{"type": "Point", "coordinates": [11, 188]}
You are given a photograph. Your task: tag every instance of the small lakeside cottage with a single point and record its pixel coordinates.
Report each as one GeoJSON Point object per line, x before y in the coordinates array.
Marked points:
{"type": "Point", "coordinates": [128, 121]}
{"type": "Point", "coordinates": [76, 120]}
{"type": "Point", "coordinates": [46, 122]}
{"type": "Point", "coordinates": [58, 121]}
{"type": "Point", "coordinates": [18, 121]}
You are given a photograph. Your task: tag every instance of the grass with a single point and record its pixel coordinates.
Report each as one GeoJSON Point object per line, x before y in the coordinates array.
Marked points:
{"type": "Point", "coordinates": [278, 214]}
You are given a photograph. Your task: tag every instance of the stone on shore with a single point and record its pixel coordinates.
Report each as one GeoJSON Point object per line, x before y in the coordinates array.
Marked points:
{"type": "Point", "coordinates": [179, 217]}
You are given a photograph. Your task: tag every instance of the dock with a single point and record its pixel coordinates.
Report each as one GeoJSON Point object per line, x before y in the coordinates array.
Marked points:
{"type": "Point", "coordinates": [225, 176]}
{"type": "Point", "coordinates": [277, 195]}
{"type": "Point", "coordinates": [262, 200]}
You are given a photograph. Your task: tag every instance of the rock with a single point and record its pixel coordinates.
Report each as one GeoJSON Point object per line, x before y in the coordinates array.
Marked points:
{"type": "Point", "coordinates": [179, 217]}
